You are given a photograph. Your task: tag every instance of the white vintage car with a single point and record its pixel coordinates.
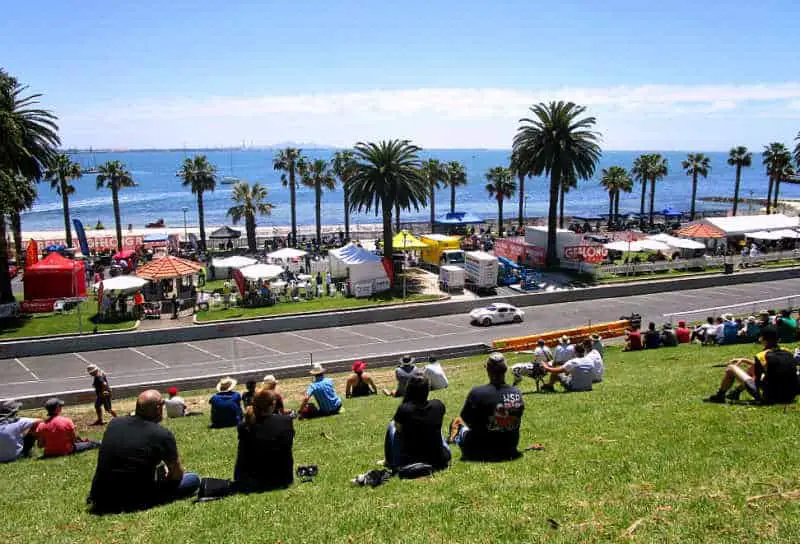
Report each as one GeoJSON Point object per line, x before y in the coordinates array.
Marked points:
{"type": "Point", "coordinates": [496, 313]}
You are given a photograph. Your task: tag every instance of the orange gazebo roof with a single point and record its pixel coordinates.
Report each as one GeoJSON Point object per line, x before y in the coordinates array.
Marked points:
{"type": "Point", "coordinates": [700, 230]}
{"type": "Point", "coordinates": [168, 267]}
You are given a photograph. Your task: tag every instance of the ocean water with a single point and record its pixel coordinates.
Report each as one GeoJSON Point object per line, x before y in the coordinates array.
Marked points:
{"type": "Point", "coordinates": [159, 193]}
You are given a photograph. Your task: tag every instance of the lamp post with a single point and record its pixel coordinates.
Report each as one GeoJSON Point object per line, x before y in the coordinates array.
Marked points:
{"type": "Point", "coordinates": [185, 231]}
{"type": "Point", "coordinates": [405, 262]}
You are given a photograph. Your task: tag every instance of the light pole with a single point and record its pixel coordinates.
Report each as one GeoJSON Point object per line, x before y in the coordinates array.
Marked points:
{"type": "Point", "coordinates": [405, 262]}
{"type": "Point", "coordinates": [185, 231]}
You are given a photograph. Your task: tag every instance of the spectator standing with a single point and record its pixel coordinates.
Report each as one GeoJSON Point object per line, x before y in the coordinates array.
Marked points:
{"type": "Point", "coordinates": [102, 391]}
{"type": "Point", "coordinates": [17, 434]}
{"type": "Point", "coordinates": [226, 405]}
{"type": "Point", "coordinates": [56, 434]}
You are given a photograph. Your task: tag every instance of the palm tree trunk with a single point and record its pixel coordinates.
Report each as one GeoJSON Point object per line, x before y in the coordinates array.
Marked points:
{"type": "Point", "coordinates": [551, 258]}
{"type": "Point", "coordinates": [561, 209]}
{"type": "Point", "coordinates": [769, 194]}
{"type": "Point", "coordinates": [117, 218]}
{"type": "Point", "coordinates": [652, 198]}
{"type": "Point", "coordinates": [736, 188]}
{"type": "Point", "coordinates": [644, 191]}
{"type": "Point", "coordinates": [250, 225]}
{"type": "Point", "coordinates": [694, 195]}
{"type": "Point", "coordinates": [65, 206]}
{"type": "Point", "coordinates": [521, 214]}
{"type": "Point", "coordinates": [293, 204]}
{"type": "Point", "coordinates": [318, 210]}
{"type": "Point", "coordinates": [346, 195]}
{"type": "Point", "coordinates": [201, 219]}
{"type": "Point", "coordinates": [452, 198]}
{"type": "Point", "coordinates": [499, 215]}
{"type": "Point", "coordinates": [610, 208]}
{"type": "Point", "coordinates": [16, 227]}
{"type": "Point", "coordinates": [397, 217]}
{"type": "Point", "coordinates": [775, 197]}
{"type": "Point", "coordinates": [433, 205]}
{"type": "Point", "coordinates": [387, 233]}
{"type": "Point", "coordinates": [616, 206]}
{"type": "Point", "coordinates": [6, 295]}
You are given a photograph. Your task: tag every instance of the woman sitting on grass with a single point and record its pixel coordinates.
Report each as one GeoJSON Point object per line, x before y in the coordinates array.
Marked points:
{"type": "Point", "coordinates": [264, 459]}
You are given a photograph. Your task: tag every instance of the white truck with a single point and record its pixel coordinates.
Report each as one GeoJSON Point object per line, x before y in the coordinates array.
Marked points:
{"type": "Point", "coordinates": [451, 278]}
{"type": "Point", "coordinates": [481, 270]}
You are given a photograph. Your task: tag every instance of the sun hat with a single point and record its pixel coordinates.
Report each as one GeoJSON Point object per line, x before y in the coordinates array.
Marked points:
{"type": "Point", "coordinates": [359, 366]}
{"type": "Point", "coordinates": [91, 369]}
{"type": "Point", "coordinates": [727, 317]}
{"type": "Point", "coordinates": [226, 384]}
{"type": "Point", "coordinates": [172, 391]}
{"type": "Point", "coordinates": [316, 369]}
{"type": "Point", "coordinates": [496, 362]}
{"type": "Point", "coordinates": [595, 337]}
{"type": "Point", "coordinates": [269, 378]}
{"type": "Point", "coordinates": [564, 339]}
{"type": "Point", "coordinates": [52, 403]}
{"type": "Point", "coordinates": [751, 319]}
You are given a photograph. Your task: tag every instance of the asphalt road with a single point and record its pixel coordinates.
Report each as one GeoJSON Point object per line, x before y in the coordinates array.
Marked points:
{"type": "Point", "coordinates": [61, 373]}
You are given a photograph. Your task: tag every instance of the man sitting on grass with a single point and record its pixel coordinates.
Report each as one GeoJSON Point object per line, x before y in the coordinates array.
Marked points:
{"type": "Point", "coordinates": [128, 474]}
{"type": "Point", "coordinates": [322, 391]}
{"type": "Point", "coordinates": [56, 434]}
{"type": "Point", "coordinates": [226, 405]}
{"type": "Point", "coordinates": [597, 360]}
{"type": "Point", "coordinates": [770, 378]}
{"type": "Point", "coordinates": [488, 428]}
{"type": "Point", "coordinates": [633, 339]}
{"type": "Point", "coordinates": [541, 354]}
{"type": "Point", "coordinates": [402, 374]}
{"type": "Point", "coordinates": [435, 374]}
{"type": "Point", "coordinates": [176, 406]}
{"type": "Point", "coordinates": [787, 327]}
{"type": "Point", "coordinates": [668, 337]}
{"type": "Point", "coordinates": [683, 333]}
{"type": "Point", "coordinates": [652, 340]}
{"type": "Point", "coordinates": [577, 374]}
{"type": "Point", "coordinates": [17, 434]}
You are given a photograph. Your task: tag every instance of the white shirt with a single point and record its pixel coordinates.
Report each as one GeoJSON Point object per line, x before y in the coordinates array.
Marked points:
{"type": "Point", "coordinates": [435, 374]}
{"type": "Point", "coordinates": [581, 373]}
{"type": "Point", "coordinates": [542, 354]}
{"type": "Point", "coordinates": [564, 353]}
{"type": "Point", "coordinates": [176, 407]}
{"type": "Point", "coordinates": [596, 359]}
{"type": "Point", "coordinates": [11, 438]}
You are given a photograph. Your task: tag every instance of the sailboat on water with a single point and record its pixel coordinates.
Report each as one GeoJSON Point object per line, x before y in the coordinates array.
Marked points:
{"type": "Point", "coordinates": [91, 168]}
{"type": "Point", "coordinates": [231, 179]}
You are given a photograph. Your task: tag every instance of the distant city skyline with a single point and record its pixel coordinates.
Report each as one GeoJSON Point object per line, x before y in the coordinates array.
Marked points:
{"type": "Point", "coordinates": [682, 76]}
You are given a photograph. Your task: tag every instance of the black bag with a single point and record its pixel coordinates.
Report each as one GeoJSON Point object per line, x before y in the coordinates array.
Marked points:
{"type": "Point", "coordinates": [212, 489]}
{"type": "Point", "coordinates": [781, 383]}
{"type": "Point", "coordinates": [414, 471]}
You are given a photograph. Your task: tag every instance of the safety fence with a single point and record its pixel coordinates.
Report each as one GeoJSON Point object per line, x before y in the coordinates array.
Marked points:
{"type": "Point", "coordinates": [612, 329]}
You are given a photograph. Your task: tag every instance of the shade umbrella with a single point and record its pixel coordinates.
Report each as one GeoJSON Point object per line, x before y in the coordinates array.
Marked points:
{"type": "Point", "coordinates": [225, 233]}
{"type": "Point", "coordinates": [261, 271]}
{"type": "Point", "coordinates": [700, 230]}
{"type": "Point", "coordinates": [236, 261]}
{"type": "Point", "coordinates": [122, 284]}
{"type": "Point", "coordinates": [404, 240]}
{"type": "Point", "coordinates": [168, 267]}
{"type": "Point", "coordinates": [287, 253]}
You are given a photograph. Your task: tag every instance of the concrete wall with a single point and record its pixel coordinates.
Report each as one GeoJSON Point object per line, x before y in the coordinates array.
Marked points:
{"type": "Point", "coordinates": [370, 315]}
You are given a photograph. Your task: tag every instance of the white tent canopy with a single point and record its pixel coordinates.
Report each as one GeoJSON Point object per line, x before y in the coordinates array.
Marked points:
{"type": "Point", "coordinates": [286, 253]}
{"type": "Point", "coordinates": [122, 284]}
{"type": "Point", "coordinates": [237, 261]}
{"type": "Point", "coordinates": [680, 243]}
{"type": "Point", "coordinates": [764, 235]}
{"type": "Point", "coordinates": [786, 233]}
{"type": "Point", "coordinates": [743, 224]}
{"type": "Point", "coordinates": [637, 246]}
{"type": "Point", "coordinates": [356, 263]}
{"type": "Point", "coordinates": [261, 271]}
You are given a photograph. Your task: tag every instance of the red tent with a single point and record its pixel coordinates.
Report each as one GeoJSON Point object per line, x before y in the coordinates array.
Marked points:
{"type": "Point", "coordinates": [55, 277]}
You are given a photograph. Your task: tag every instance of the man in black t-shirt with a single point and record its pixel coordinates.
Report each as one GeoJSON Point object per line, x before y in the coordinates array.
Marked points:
{"type": "Point", "coordinates": [488, 429]}
{"type": "Point", "coordinates": [129, 474]}
{"type": "Point", "coordinates": [415, 433]}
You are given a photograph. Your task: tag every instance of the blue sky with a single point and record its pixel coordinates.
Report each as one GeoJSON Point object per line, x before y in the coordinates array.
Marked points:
{"type": "Point", "coordinates": [677, 75]}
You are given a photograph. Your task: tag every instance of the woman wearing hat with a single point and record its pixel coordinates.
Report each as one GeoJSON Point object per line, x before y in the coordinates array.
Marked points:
{"type": "Point", "coordinates": [226, 405]}
{"type": "Point", "coordinates": [322, 391]}
{"type": "Point", "coordinates": [360, 384]}
{"type": "Point", "coordinates": [17, 434]}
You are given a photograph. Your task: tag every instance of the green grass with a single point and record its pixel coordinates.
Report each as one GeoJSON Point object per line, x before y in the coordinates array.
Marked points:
{"type": "Point", "coordinates": [641, 448]}
{"type": "Point", "coordinates": [49, 324]}
{"type": "Point", "coordinates": [338, 302]}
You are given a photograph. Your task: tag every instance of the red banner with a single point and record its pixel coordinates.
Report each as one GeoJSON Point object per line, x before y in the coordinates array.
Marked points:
{"type": "Point", "coordinates": [517, 250]}
{"type": "Point", "coordinates": [587, 254]}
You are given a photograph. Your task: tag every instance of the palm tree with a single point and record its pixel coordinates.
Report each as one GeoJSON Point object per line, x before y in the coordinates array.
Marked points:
{"type": "Point", "coordinates": [614, 179]}
{"type": "Point", "coordinates": [28, 142]}
{"type": "Point", "coordinates": [739, 157]}
{"type": "Point", "coordinates": [567, 183]}
{"type": "Point", "coordinates": [557, 142]}
{"type": "Point", "coordinates": [641, 172]}
{"type": "Point", "coordinates": [344, 165]}
{"type": "Point", "coordinates": [434, 174]}
{"type": "Point", "coordinates": [500, 186]}
{"type": "Point", "coordinates": [60, 173]}
{"type": "Point", "coordinates": [289, 161]}
{"type": "Point", "coordinates": [696, 164]}
{"type": "Point", "coordinates": [797, 150]}
{"type": "Point", "coordinates": [200, 176]}
{"type": "Point", "coordinates": [775, 158]}
{"type": "Point", "coordinates": [318, 176]}
{"type": "Point", "coordinates": [518, 170]}
{"type": "Point", "coordinates": [658, 170]}
{"type": "Point", "coordinates": [114, 176]}
{"type": "Point", "coordinates": [251, 200]}
{"type": "Point", "coordinates": [22, 197]}
{"type": "Point", "coordinates": [456, 176]}
{"type": "Point", "coordinates": [387, 174]}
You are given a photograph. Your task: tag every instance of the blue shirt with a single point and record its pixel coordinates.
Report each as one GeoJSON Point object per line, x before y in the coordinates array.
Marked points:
{"type": "Point", "coordinates": [11, 437]}
{"type": "Point", "coordinates": [323, 392]}
{"type": "Point", "coordinates": [730, 332]}
{"type": "Point", "coordinates": [226, 409]}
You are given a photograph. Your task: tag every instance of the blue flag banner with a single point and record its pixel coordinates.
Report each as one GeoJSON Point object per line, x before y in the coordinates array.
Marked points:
{"type": "Point", "coordinates": [81, 237]}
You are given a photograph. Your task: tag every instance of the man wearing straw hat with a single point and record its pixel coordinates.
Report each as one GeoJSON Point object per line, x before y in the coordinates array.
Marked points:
{"type": "Point", "coordinates": [322, 391]}
{"type": "Point", "coordinates": [102, 393]}
{"type": "Point", "coordinates": [226, 405]}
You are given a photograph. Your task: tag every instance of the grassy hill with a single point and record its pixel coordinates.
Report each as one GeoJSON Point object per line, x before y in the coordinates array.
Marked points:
{"type": "Point", "coordinates": [640, 458]}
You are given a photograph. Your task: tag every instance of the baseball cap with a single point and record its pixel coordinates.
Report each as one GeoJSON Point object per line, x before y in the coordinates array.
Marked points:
{"type": "Point", "coordinates": [172, 390]}
{"type": "Point", "coordinates": [52, 403]}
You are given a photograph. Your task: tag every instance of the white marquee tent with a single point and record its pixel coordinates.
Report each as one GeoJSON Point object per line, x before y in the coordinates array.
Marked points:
{"type": "Point", "coordinates": [680, 243]}
{"type": "Point", "coordinates": [286, 254]}
{"type": "Point", "coordinates": [744, 224]}
{"type": "Point", "coordinates": [764, 235]}
{"type": "Point", "coordinates": [261, 271]}
{"type": "Point", "coordinates": [356, 263]}
{"type": "Point", "coordinates": [637, 246]}
{"type": "Point", "coordinates": [236, 261]}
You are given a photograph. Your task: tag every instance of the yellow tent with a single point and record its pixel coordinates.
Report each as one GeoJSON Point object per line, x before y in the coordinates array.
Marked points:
{"type": "Point", "coordinates": [404, 240]}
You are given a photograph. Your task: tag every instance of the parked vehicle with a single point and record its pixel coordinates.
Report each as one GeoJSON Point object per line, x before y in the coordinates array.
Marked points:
{"type": "Point", "coordinates": [451, 278]}
{"type": "Point", "coordinates": [481, 271]}
{"type": "Point", "coordinates": [493, 314]}
{"type": "Point", "coordinates": [439, 248]}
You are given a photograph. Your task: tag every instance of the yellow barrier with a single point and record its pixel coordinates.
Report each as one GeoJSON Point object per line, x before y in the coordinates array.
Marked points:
{"type": "Point", "coordinates": [605, 330]}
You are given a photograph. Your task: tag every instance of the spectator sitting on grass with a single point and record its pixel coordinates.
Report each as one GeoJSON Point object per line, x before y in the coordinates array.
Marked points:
{"type": "Point", "coordinates": [17, 434]}
{"type": "Point", "coordinates": [541, 354]}
{"type": "Point", "coordinates": [668, 337]}
{"type": "Point", "coordinates": [751, 330]}
{"type": "Point", "coordinates": [359, 384]}
{"type": "Point", "coordinates": [488, 428]}
{"type": "Point", "coordinates": [264, 456]}
{"type": "Point", "coordinates": [597, 343]}
{"type": "Point", "coordinates": [226, 405]}
{"type": "Point", "coordinates": [435, 374]}
{"type": "Point", "coordinates": [704, 331]}
{"type": "Point", "coordinates": [591, 354]}
{"type": "Point", "coordinates": [128, 476]}
{"type": "Point", "coordinates": [683, 333]}
{"type": "Point", "coordinates": [577, 374]}
{"type": "Point", "coordinates": [564, 351]}
{"type": "Point", "coordinates": [402, 374]}
{"type": "Point", "coordinates": [770, 378]}
{"type": "Point", "coordinates": [787, 327]}
{"type": "Point", "coordinates": [415, 433]}
{"type": "Point", "coordinates": [250, 390]}
{"type": "Point", "coordinates": [652, 340]}
{"type": "Point", "coordinates": [176, 406]}
{"type": "Point", "coordinates": [729, 334]}
{"type": "Point", "coordinates": [322, 391]}
{"type": "Point", "coordinates": [56, 434]}
{"type": "Point", "coordinates": [270, 383]}
{"type": "Point", "coordinates": [633, 339]}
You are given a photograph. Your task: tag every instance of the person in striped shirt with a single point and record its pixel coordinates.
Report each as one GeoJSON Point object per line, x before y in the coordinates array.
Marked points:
{"type": "Point", "coordinates": [322, 391]}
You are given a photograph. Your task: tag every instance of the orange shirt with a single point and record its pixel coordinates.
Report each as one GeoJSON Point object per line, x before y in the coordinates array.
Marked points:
{"type": "Point", "coordinates": [56, 436]}
{"type": "Point", "coordinates": [138, 299]}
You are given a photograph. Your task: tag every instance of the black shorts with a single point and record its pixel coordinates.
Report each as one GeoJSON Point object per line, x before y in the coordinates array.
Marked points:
{"type": "Point", "coordinates": [103, 401]}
